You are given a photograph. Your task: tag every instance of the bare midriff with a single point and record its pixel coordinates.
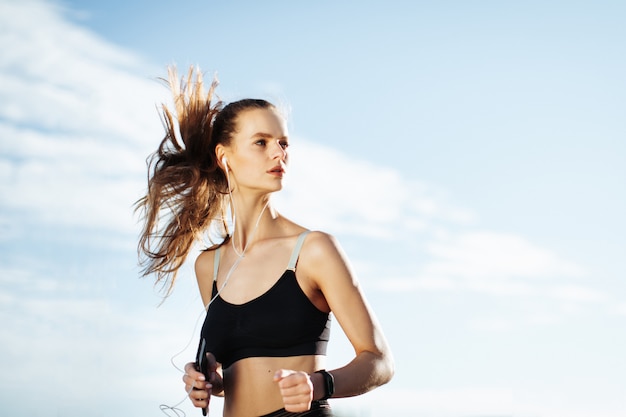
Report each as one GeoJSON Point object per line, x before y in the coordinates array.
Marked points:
{"type": "Point", "coordinates": [249, 387]}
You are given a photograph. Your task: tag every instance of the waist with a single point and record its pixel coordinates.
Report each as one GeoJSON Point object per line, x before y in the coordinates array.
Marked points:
{"type": "Point", "coordinates": [249, 387]}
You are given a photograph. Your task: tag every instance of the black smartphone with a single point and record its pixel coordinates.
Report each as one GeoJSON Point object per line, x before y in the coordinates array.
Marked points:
{"type": "Point", "coordinates": [202, 366]}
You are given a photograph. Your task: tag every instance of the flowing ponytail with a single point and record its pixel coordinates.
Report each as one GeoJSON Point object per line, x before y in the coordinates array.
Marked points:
{"type": "Point", "coordinates": [186, 186]}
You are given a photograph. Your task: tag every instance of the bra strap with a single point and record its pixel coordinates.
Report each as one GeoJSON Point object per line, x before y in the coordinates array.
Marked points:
{"type": "Point", "coordinates": [296, 251]}
{"type": "Point", "coordinates": [216, 263]}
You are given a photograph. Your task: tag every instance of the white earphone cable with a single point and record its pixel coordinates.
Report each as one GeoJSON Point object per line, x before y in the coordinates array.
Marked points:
{"type": "Point", "coordinates": [166, 409]}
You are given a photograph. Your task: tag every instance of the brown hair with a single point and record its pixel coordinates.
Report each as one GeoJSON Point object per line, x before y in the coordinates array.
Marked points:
{"type": "Point", "coordinates": [186, 186]}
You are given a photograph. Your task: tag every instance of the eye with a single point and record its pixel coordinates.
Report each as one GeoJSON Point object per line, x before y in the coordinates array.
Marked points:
{"type": "Point", "coordinates": [283, 144]}
{"type": "Point", "coordinates": [260, 142]}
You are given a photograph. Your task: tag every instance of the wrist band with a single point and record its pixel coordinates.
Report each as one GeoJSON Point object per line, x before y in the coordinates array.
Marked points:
{"type": "Point", "coordinates": [329, 384]}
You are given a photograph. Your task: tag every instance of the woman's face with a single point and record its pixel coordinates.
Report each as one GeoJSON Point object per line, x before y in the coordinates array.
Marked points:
{"type": "Point", "coordinates": [257, 155]}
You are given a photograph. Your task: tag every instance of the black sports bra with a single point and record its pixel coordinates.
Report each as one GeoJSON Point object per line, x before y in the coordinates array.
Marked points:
{"type": "Point", "coordinates": [281, 322]}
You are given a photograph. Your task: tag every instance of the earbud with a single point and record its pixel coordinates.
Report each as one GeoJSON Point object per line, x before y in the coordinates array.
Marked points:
{"type": "Point", "coordinates": [225, 163]}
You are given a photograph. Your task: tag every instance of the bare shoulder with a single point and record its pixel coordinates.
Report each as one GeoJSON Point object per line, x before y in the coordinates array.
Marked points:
{"type": "Point", "coordinates": [323, 258]}
{"type": "Point", "coordinates": [204, 266]}
{"type": "Point", "coordinates": [204, 274]}
{"type": "Point", "coordinates": [321, 244]}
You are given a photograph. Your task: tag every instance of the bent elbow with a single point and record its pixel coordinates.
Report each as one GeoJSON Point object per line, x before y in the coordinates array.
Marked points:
{"type": "Point", "coordinates": [385, 368]}
{"type": "Point", "coordinates": [389, 369]}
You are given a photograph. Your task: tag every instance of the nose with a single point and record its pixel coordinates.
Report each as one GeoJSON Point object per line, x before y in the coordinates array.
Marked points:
{"type": "Point", "coordinates": [278, 151]}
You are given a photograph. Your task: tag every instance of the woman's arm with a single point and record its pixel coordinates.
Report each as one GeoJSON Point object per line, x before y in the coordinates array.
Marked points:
{"type": "Point", "coordinates": [326, 267]}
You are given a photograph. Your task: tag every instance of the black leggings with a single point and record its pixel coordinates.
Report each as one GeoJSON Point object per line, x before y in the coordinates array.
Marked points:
{"type": "Point", "coordinates": [318, 409]}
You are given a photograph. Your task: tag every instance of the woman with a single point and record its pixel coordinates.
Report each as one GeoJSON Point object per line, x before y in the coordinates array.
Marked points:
{"type": "Point", "coordinates": [269, 284]}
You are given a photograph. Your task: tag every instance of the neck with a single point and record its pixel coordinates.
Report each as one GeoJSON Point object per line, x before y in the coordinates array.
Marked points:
{"type": "Point", "coordinates": [251, 218]}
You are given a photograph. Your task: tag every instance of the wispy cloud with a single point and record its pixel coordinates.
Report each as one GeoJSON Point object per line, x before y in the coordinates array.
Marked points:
{"type": "Point", "coordinates": [489, 262]}
{"type": "Point", "coordinates": [491, 255]}
{"type": "Point", "coordinates": [76, 118]}
{"type": "Point", "coordinates": [355, 197]}
{"type": "Point", "coordinates": [505, 266]}
{"type": "Point", "coordinates": [475, 401]}
{"type": "Point", "coordinates": [458, 402]}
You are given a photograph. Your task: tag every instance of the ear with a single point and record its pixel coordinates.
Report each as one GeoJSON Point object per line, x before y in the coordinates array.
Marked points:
{"type": "Point", "coordinates": [220, 154]}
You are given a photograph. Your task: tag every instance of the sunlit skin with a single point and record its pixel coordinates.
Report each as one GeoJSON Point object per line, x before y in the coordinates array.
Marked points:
{"type": "Point", "coordinates": [256, 160]}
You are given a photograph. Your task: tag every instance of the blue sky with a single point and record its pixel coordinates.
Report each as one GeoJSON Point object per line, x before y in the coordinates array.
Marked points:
{"type": "Point", "coordinates": [469, 156]}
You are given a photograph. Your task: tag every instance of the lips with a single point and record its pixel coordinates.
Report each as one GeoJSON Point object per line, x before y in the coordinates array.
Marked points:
{"type": "Point", "coordinates": [277, 170]}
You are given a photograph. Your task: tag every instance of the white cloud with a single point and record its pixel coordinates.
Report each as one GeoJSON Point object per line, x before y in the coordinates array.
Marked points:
{"type": "Point", "coordinates": [491, 255]}
{"type": "Point", "coordinates": [88, 348]}
{"type": "Point", "coordinates": [478, 401]}
{"type": "Point", "coordinates": [505, 265]}
{"type": "Point", "coordinates": [495, 263]}
{"type": "Point", "coordinates": [491, 324]}
{"type": "Point", "coordinates": [57, 75]}
{"type": "Point", "coordinates": [436, 283]}
{"type": "Point", "coordinates": [469, 401]}
{"type": "Point", "coordinates": [578, 293]}
{"type": "Point", "coordinates": [620, 309]}
{"type": "Point", "coordinates": [77, 123]}
{"type": "Point", "coordinates": [346, 195]}
{"type": "Point", "coordinates": [586, 400]}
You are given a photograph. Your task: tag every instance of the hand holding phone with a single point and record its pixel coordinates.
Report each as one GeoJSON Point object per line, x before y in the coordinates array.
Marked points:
{"type": "Point", "coordinates": [203, 366]}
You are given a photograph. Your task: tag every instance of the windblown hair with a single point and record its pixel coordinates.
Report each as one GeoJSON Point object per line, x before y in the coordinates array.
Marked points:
{"type": "Point", "coordinates": [186, 186]}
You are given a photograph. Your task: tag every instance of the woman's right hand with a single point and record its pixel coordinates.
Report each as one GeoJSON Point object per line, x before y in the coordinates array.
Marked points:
{"type": "Point", "coordinates": [196, 385]}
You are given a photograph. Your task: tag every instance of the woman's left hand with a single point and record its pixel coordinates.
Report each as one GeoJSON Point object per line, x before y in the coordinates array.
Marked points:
{"type": "Point", "coordinates": [296, 388]}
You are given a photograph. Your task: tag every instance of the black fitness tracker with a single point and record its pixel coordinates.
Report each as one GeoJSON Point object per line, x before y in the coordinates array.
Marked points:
{"type": "Point", "coordinates": [329, 383]}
